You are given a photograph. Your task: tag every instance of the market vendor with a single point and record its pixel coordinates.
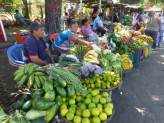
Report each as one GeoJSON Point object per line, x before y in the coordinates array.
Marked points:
{"type": "Point", "coordinates": [67, 38]}
{"type": "Point", "coordinates": [98, 24]}
{"type": "Point", "coordinates": [34, 48]}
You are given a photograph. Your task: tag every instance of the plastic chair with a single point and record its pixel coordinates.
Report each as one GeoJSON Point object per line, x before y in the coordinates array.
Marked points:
{"type": "Point", "coordinates": [14, 54]}
{"type": "Point", "coordinates": [54, 36]}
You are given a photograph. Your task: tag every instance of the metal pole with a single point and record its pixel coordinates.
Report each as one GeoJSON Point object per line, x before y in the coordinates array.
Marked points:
{"type": "Point", "coordinates": [100, 6]}
{"type": "Point", "coordinates": [112, 11]}
{"type": "Point", "coordinates": [80, 12]}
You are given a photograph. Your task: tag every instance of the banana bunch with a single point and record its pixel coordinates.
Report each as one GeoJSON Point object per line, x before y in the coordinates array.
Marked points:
{"type": "Point", "coordinates": [142, 30]}
{"type": "Point", "coordinates": [31, 75]}
{"type": "Point", "coordinates": [144, 38]}
{"type": "Point", "coordinates": [91, 56]}
{"type": "Point", "coordinates": [127, 63]}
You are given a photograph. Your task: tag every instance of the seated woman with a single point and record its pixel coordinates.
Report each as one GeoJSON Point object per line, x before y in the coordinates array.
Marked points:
{"type": "Point", "coordinates": [67, 38]}
{"type": "Point", "coordinates": [87, 32]}
{"type": "Point", "coordinates": [138, 24]}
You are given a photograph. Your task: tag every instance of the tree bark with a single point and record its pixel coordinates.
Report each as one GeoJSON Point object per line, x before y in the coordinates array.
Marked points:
{"type": "Point", "coordinates": [26, 9]}
{"type": "Point", "coordinates": [41, 11]}
{"type": "Point", "coordinates": [53, 15]}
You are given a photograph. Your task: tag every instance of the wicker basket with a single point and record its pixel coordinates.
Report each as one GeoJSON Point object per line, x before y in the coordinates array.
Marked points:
{"type": "Point", "coordinates": [64, 120]}
{"type": "Point", "coordinates": [125, 71]}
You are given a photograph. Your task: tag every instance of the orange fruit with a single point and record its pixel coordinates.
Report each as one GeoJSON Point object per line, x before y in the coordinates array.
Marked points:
{"type": "Point", "coordinates": [78, 98]}
{"type": "Point", "coordinates": [69, 116]}
{"type": "Point", "coordinates": [92, 85]}
{"type": "Point", "coordinates": [97, 84]}
{"type": "Point", "coordinates": [95, 100]}
{"type": "Point", "coordinates": [91, 105]}
{"type": "Point", "coordinates": [79, 112]}
{"type": "Point", "coordinates": [86, 113]}
{"type": "Point", "coordinates": [72, 101]}
{"type": "Point", "coordinates": [108, 110]}
{"type": "Point", "coordinates": [63, 111]}
{"type": "Point", "coordinates": [102, 101]}
{"type": "Point", "coordinates": [103, 116]}
{"type": "Point", "coordinates": [96, 120]}
{"type": "Point", "coordinates": [95, 112]}
{"type": "Point", "coordinates": [85, 120]}
{"type": "Point", "coordinates": [87, 101]}
{"type": "Point", "coordinates": [82, 106]}
{"type": "Point", "coordinates": [88, 96]}
{"type": "Point", "coordinates": [105, 94]}
{"type": "Point", "coordinates": [77, 119]}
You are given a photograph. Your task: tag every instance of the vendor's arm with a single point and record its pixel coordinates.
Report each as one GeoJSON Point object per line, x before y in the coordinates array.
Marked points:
{"type": "Point", "coordinates": [140, 24]}
{"type": "Point", "coordinates": [50, 55]}
{"type": "Point", "coordinates": [159, 23]}
{"type": "Point", "coordinates": [37, 60]}
{"type": "Point", "coordinates": [75, 39]}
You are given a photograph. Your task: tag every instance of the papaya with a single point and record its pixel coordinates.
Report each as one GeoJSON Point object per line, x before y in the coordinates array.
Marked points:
{"type": "Point", "coordinates": [50, 95]}
{"type": "Point", "coordinates": [26, 97]}
{"type": "Point", "coordinates": [70, 91]}
{"type": "Point", "coordinates": [61, 91]}
{"type": "Point", "coordinates": [48, 85]}
{"type": "Point", "coordinates": [43, 104]}
{"type": "Point", "coordinates": [59, 99]}
{"type": "Point", "coordinates": [35, 99]}
{"type": "Point", "coordinates": [62, 82]}
{"type": "Point", "coordinates": [39, 91]}
{"type": "Point", "coordinates": [27, 105]}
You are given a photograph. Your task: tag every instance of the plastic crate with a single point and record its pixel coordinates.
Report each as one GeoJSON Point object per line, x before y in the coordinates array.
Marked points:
{"type": "Point", "coordinates": [149, 49]}
{"type": "Point", "coordinates": [141, 55]}
{"type": "Point", "coordinates": [20, 39]}
{"type": "Point", "coordinates": [136, 58]}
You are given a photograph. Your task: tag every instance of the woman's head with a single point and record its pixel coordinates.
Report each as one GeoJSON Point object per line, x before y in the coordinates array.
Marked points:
{"type": "Point", "coordinates": [101, 15]}
{"type": "Point", "coordinates": [84, 22]}
{"type": "Point", "coordinates": [140, 20]}
{"type": "Point", "coordinates": [66, 14]}
{"type": "Point", "coordinates": [151, 13]}
{"type": "Point", "coordinates": [72, 25]}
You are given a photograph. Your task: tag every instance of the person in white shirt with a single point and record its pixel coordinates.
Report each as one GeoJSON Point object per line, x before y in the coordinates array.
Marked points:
{"type": "Point", "coordinates": [135, 18]}
{"type": "Point", "coordinates": [160, 37]}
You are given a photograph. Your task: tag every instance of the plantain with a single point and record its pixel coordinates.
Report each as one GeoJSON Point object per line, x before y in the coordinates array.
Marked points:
{"type": "Point", "coordinates": [27, 68]}
{"type": "Point", "coordinates": [23, 80]}
{"type": "Point", "coordinates": [39, 70]}
{"type": "Point", "coordinates": [35, 66]}
{"type": "Point", "coordinates": [38, 83]}
{"type": "Point", "coordinates": [35, 85]}
{"type": "Point", "coordinates": [41, 80]}
{"type": "Point", "coordinates": [45, 77]}
{"type": "Point", "coordinates": [31, 80]}
{"type": "Point", "coordinates": [22, 67]}
{"type": "Point", "coordinates": [19, 76]}
{"type": "Point", "coordinates": [30, 70]}
{"type": "Point", "coordinates": [18, 71]}
{"type": "Point", "coordinates": [39, 74]}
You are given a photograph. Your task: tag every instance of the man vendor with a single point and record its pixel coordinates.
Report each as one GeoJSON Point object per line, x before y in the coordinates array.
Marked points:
{"type": "Point", "coordinates": [34, 48]}
{"type": "Point", "coordinates": [67, 38]}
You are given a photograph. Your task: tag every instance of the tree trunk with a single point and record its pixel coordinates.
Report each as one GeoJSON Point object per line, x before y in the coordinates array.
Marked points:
{"type": "Point", "coordinates": [41, 11]}
{"type": "Point", "coordinates": [26, 9]}
{"type": "Point", "coordinates": [53, 15]}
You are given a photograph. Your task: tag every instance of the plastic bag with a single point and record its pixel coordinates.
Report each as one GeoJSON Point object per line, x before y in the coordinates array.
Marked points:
{"type": "Point", "coordinates": [90, 66]}
{"type": "Point", "coordinates": [96, 48]}
{"type": "Point", "coordinates": [84, 71]}
{"type": "Point", "coordinates": [112, 43]}
{"type": "Point", "coordinates": [98, 70]}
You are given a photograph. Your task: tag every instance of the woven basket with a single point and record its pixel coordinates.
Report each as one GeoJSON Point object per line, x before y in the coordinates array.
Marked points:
{"type": "Point", "coordinates": [125, 71]}
{"type": "Point", "coordinates": [64, 120]}
{"type": "Point", "coordinates": [110, 89]}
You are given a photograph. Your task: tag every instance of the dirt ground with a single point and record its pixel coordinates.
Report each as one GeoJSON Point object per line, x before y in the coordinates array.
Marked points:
{"type": "Point", "coordinates": [7, 83]}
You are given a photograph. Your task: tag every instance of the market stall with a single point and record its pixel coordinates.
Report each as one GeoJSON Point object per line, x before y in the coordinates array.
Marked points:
{"type": "Point", "coordinates": [79, 87]}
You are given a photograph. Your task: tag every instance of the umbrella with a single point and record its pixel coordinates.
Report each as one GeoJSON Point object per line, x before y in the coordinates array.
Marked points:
{"type": "Point", "coordinates": [1, 5]}
{"type": "Point", "coordinates": [145, 6]}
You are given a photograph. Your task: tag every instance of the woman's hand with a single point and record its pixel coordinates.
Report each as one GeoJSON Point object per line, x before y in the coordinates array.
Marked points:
{"type": "Point", "coordinates": [159, 30]}
{"type": "Point", "coordinates": [90, 45]}
{"type": "Point", "coordinates": [87, 36]}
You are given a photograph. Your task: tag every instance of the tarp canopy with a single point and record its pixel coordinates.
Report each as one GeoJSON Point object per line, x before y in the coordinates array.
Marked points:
{"type": "Point", "coordinates": [130, 2]}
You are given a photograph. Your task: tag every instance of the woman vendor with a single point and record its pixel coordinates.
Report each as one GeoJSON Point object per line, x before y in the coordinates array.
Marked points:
{"type": "Point", "coordinates": [87, 31]}
{"type": "Point", "coordinates": [67, 38]}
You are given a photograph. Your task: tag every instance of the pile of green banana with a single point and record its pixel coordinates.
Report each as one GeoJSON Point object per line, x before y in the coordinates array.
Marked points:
{"type": "Point", "coordinates": [31, 75]}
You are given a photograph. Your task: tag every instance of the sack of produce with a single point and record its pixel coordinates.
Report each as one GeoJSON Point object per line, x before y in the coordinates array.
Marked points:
{"type": "Point", "coordinates": [90, 66]}
{"type": "Point", "coordinates": [84, 71]}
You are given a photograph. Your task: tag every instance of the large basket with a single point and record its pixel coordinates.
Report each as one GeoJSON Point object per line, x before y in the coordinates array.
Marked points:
{"type": "Point", "coordinates": [126, 71]}
{"type": "Point", "coordinates": [110, 89]}
{"type": "Point", "coordinates": [64, 120]}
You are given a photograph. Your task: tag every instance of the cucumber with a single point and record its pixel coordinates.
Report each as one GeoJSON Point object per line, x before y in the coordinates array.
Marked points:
{"type": "Point", "coordinates": [62, 82]}
{"type": "Point", "coordinates": [61, 91]}
{"type": "Point", "coordinates": [67, 59]}
{"type": "Point", "coordinates": [26, 97]}
{"type": "Point", "coordinates": [70, 91]}
{"type": "Point", "coordinates": [39, 120]}
{"type": "Point", "coordinates": [76, 72]}
{"type": "Point", "coordinates": [59, 99]}
{"type": "Point", "coordinates": [27, 105]}
{"type": "Point", "coordinates": [34, 114]}
{"type": "Point", "coordinates": [43, 104]}
{"type": "Point", "coordinates": [50, 95]}
{"type": "Point", "coordinates": [52, 112]}
{"type": "Point", "coordinates": [76, 64]}
{"type": "Point", "coordinates": [48, 85]}
{"type": "Point", "coordinates": [39, 91]}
